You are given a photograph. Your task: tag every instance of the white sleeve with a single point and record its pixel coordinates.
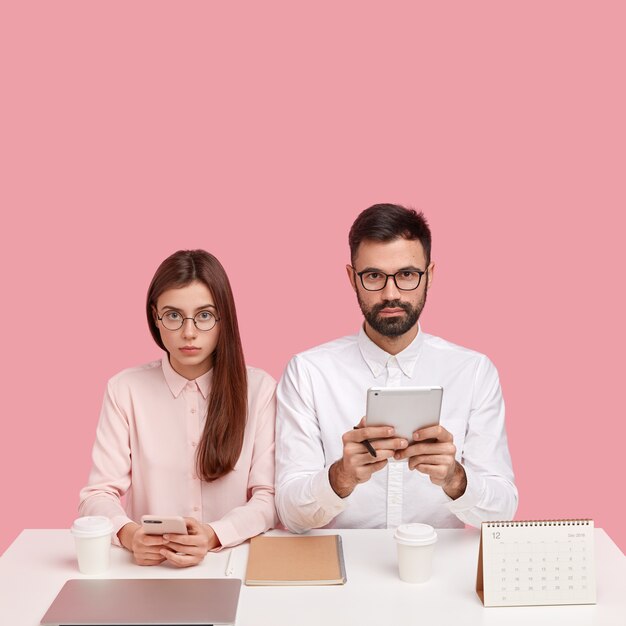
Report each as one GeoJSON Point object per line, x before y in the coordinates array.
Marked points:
{"type": "Point", "coordinates": [490, 493]}
{"type": "Point", "coordinates": [304, 497]}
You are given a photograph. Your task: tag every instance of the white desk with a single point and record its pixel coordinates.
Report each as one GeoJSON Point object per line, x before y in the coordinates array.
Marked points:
{"type": "Point", "coordinates": [37, 564]}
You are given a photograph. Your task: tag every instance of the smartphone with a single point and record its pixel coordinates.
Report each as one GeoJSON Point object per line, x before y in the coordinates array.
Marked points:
{"type": "Point", "coordinates": [407, 409]}
{"type": "Point", "coordinates": [159, 525]}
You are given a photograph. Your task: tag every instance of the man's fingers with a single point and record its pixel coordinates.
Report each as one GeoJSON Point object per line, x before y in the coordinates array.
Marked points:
{"type": "Point", "coordinates": [364, 473]}
{"type": "Point", "coordinates": [423, 449]}
{"type": "Point", "coordinates": [369, 432]}
{"type": "Point", "coordinates": [432, 459]}
{"type": "Point", "coordinates": [436, 459]}
{"type": "Point", "coordinates": [360, 455]}
{"type": "Point", "coordinates": [438, 472]}
{"type": "Point", "coordinates": [366, 450]}
{"type": "Point", "coordinates": [358, 447]}
{"type": "Point", "coordinates": [392, 443]}
{"type": "Point", "coordinates": [437, 432]}
{"type": "Point", "coordinates": [376, 467]}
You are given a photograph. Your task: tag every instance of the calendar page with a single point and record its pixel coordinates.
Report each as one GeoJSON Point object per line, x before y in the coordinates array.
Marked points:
{"type": "Point", "coordinates": [536, 562]}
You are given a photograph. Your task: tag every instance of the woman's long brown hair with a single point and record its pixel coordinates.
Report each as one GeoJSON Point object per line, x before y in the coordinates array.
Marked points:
{"type": "Point", "coordinates": [222, 438]}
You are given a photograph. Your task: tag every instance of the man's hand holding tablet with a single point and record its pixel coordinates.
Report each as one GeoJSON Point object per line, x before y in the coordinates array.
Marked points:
{"type": "Point", "coordinates": [357, 463]}
{"type": "Point", "coordinates": [434, 453]}
{"type": "Point", "coordinates": [416, 410]}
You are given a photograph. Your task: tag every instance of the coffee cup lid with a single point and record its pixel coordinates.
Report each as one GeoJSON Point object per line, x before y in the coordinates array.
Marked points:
{"type": "Point", "coordinates": [415, 534]}
{"type": "Point", "coordinates": [92, 526]}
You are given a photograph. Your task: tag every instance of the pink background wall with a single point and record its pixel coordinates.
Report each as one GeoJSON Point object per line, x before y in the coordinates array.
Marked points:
{"type": "Point", "coordinates": [130, 130]}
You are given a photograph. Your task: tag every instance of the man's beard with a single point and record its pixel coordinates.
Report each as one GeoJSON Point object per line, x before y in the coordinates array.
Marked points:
{"type": "Point", "coordinates": [396, 325]}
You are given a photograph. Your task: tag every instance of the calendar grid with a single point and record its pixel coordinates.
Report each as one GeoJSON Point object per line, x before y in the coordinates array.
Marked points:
{"type": "Point", "coordinates": [534, 562]}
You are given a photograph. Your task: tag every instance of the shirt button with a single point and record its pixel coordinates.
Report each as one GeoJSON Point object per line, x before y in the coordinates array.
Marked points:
{"type": "Point", "coordinates": [194, 444]}
{"type": "Point", "coordinates": [192, 410]}
{"type": "Point", "coordinates": [196, 508]}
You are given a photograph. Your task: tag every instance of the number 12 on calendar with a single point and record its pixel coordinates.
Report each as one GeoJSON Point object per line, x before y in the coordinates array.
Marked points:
{"type": "Point", "coordinates": [535, 562]}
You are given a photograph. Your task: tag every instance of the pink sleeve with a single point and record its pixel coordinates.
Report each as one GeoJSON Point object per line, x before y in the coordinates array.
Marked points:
{"type": "Point", "coordinates": [110, 474]}
{"type": "Point", "coordinates": [259, 513]}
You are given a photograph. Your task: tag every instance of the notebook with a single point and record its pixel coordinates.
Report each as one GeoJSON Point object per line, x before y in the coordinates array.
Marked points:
{"type": "Point", "coordinates": [536, 562]}
{"type": "Point", "coordinates": [166, 602]}
{"type": "Point", "coordinates": [295, 560]}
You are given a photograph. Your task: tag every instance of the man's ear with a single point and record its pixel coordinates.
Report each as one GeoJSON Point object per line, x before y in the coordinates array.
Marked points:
{"type": "Point", "coordinates": [351, 276]}
{"type": "Point", "coordinates": [430, 276]}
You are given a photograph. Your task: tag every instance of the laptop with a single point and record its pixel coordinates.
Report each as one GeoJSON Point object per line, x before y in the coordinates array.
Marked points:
{"type": "Point", "coordinates": [145, 602]}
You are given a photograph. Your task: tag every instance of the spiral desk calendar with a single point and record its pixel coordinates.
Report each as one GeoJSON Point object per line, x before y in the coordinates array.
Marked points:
{"type": "Point", "coordinates": [535, 562]}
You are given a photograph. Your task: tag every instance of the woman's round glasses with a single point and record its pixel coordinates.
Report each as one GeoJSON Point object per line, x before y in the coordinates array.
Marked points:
{"type": "Point", "coordinates": [173, 320]}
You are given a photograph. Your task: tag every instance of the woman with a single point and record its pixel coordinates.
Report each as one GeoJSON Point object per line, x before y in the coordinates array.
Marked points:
{"type": "Point", "coordinates": [191, 434]}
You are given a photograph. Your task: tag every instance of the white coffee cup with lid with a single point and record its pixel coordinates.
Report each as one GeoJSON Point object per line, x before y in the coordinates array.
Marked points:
{"type": "Point", "coordinates": [416, 544]}
{"type": "Point", "coordinates": [92, 536]}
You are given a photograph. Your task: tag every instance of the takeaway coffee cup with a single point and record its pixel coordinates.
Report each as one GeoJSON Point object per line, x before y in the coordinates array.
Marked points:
{"type": "Point", "coordinates": [416, 544]}
{"type": "Point", "coordinates": [92, 535]}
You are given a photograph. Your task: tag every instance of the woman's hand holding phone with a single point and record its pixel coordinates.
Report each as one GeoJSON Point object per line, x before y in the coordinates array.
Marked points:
{"type": "Point", "coordinates": [180, 550]}
{"type": "Point", "coordinates": [145, 548]}
{"type": "Point", "coordinates": [189, 549]}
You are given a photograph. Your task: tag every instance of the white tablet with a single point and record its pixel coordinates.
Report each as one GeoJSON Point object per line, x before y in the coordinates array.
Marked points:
{"type": "Point", "coordinates": [405, 408]}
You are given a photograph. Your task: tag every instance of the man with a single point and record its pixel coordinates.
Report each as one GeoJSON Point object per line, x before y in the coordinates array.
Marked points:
{"type": "Point", "coordinates": [448, 475]}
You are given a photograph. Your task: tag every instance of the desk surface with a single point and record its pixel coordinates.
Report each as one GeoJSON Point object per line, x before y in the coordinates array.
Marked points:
{"type": "Point", "coordinates": [37, 564]}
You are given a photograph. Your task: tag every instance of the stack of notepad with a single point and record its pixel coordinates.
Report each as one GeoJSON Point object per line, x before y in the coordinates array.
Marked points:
{"type": "Point", "coordinates": [309, 560]}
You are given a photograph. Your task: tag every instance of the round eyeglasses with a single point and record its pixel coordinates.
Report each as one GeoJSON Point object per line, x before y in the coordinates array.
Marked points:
{"type": "Point", "coordinates": [173, 320]}
{"type": "Point", "coordinates": [405, 280]}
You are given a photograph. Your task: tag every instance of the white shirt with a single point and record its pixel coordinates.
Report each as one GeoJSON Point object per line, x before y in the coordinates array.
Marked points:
{"type": "Point", "coordinates": [322, 395]}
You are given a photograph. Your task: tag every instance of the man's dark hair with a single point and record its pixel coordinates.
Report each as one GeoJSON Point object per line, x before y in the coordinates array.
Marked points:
{"type": "Point", "coordinates": [386, 222]}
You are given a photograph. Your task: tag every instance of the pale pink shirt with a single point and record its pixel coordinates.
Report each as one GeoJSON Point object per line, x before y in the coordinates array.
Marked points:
{"type": "Point", "coordinates": [150, 426]}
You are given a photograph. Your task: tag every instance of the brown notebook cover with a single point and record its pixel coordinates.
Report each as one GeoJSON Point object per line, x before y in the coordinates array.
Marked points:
{"type": "Point", "coordinates": [310, 560]}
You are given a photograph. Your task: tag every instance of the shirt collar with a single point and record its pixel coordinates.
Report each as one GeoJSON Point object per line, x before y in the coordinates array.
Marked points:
{"type": "Point", "coordinates": [177, 383]}
{"type": "Point", "coordinates": [377, 359]}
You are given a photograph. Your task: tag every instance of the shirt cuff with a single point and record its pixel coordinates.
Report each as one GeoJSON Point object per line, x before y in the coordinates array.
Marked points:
{"type": "Point", "coordinates": [474, 492]}
{"type": "Point", "coordinates": [226, 533]}
{"type": "Point", "coordinates": [119, 521]}
{"type": "Point", "coordinates": [325, 495]}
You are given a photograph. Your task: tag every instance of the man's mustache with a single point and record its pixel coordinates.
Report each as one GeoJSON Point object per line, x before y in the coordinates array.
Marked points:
{"type": "Point", "coordinates": [391, 304]}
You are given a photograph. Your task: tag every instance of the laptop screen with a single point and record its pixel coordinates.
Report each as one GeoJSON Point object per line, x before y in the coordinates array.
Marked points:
{"type": "Point", "coordinates": [145, 602]}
